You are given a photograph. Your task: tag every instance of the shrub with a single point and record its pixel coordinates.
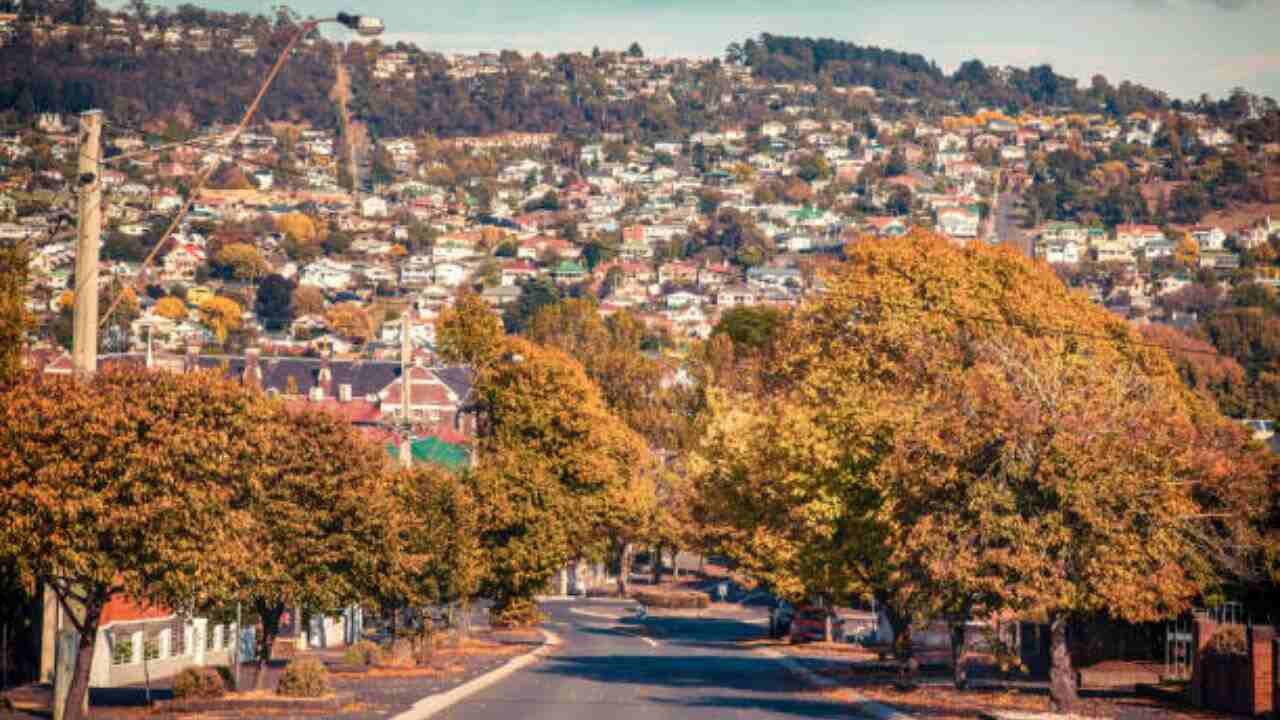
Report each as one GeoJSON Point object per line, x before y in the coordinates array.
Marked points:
{"type": "Point", "coordinates": [515, 613]}
{"type": "Point", "coordinates": [399, 654]}
{"type": "Point", "coordinates": [304, 677]}
{"type": "Point", "coordinates": [363, 653]}
{"type": "Point", "coordinates": [683, 600]}
{"type": "Point", "coordinates": [1229, 640]}
{"type": "Point", "coordinates": [228, 680]}
{"type": "Point", "coordinates": [199, 683]}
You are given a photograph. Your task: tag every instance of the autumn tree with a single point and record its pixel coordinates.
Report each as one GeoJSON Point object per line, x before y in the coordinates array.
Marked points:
{"type": "Point", "coordinates": [221, 315]}
{"type": "Point", "coordinates": [118, 486]}
{"type": "Point", "coordinates": [299, 228]}
{"type": "Point", "coordinates": [441, 558]}
{"type": "Point", "coordinates": [470, 333]}
{"type": "Point", "coordinates": [325, 524]}
{"type": "Point", "coordinates": [14, 320]}
{"type": "Point", "coordinates": [243, 261]}
{"type": "Point", "coordinates": [308, 300]}
{"type": "Point", "coordinates": [556, 471]}
{"type": "Point", "coordinates": [632, 384]}
{"type": "Point", "coordinates": [1203, 370]}
{"type": "Point", "coordinates": [959, 411]}
{"type": "Point", "coordinates": [170, 307]}
{"type": "Point", "coordinates": [351, 321]}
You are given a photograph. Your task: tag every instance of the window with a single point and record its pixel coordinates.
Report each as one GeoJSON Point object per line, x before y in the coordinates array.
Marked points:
{"type": "Point", "coordinates": [121, 649]}
{"type": "Point", "coordinates": [151, 648]}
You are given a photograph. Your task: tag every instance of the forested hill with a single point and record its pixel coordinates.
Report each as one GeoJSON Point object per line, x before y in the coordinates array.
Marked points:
{"type": "Point", "coordinates": [796, 59]}
{"type": "Point", "coordinates": [194, 67]}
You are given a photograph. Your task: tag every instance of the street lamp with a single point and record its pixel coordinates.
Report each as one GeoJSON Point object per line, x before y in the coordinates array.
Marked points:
{"type": "Point", "coordinates": [364, 25]}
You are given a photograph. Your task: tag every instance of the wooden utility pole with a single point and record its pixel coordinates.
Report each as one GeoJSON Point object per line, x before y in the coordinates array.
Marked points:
{"type": "Point", "coordinates": [84, 344]}
{"type": "Point", "coordinates": [406, 388]}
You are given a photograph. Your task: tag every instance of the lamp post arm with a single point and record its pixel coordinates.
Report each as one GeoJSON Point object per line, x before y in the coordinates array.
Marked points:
{"type": "Point", "coordinates": [205, 174]}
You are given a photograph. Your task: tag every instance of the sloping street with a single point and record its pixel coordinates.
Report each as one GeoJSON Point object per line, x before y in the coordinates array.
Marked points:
{"type": "Point", "coordinates": [612, 665]}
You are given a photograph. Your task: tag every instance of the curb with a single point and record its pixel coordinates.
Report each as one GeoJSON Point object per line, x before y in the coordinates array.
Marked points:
{"type": "Point", "coordinates": [432, 704]}
{"type": "Point", "coordinates": [861, 706]}
{"type": "Point", "coordinates": [585, 600]}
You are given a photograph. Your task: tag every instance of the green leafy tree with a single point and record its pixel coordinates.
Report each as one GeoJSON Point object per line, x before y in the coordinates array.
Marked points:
{"type": "Point", "coordinates": [556, 472]}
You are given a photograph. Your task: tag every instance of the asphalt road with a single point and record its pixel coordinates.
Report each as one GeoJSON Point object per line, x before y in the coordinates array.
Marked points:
{"type": "Point", "coordinates": [616, 667]}
{"type": "Point", "coordinates": [1009, 225]}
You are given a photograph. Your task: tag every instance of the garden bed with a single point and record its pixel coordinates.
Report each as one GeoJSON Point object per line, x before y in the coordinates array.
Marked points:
{"type": "Point", "coordinates": [261, 700]}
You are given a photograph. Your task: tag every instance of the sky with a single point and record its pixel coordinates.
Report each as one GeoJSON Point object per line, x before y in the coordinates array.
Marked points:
{"type": "Point", "coordinates": [1184, 47]}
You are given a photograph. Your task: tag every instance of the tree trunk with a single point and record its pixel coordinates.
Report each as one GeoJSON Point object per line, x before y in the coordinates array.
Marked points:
{"type": "Point", "coordinates": [78, 693]}
{"type": "Point", "coordinates": [827, 635]}
{"type": "Point", "coordinates": [270, 618]}
{"type": "Point", "coordinates": [656, 557]}
{"type": "Point", "coordinates": [1063, 697]}
{"type": "Point", "coordinates": [959, 668]}
{"type": "Point", "coordinates": [624, 570]}
{"type": "Point", "coordinates": [464, 620]}
{"type": "Point", "coordinates": [902, 646]}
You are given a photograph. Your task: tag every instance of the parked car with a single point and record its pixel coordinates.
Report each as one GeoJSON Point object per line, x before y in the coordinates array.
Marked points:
{"type": "Point", "coordinates": [809, 625]}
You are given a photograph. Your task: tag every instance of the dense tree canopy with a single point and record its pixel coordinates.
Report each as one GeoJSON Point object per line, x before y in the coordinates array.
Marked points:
{"type": "Point", "coordinates": [944, 438]}
{"type": "Point", "coordinates": [122, 486]}
{"type": "Point", "coordinates": [557, 472]}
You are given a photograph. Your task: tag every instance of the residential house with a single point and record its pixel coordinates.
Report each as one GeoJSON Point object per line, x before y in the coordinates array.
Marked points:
{"type": "Point", "coordinates": [1209, 238]}
{"type": "Point", "coordinates": [1061, 252]}
{"type": "Point", "coordinates": [959, 222]}
{"type": "Point", "coordinates": [181, 262]}
{"type": "Point", "coordinates": [1137, 236]}
{"type": "Point", "coordinates": [327, 273]}
{"type": "Point", "coordinates": [733, 296]}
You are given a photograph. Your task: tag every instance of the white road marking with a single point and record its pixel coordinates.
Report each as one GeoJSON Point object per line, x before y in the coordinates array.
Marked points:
{"type": "Point", "coordinates": [615, 618]}
{"type": "Point", "coordinates": [433, 704]}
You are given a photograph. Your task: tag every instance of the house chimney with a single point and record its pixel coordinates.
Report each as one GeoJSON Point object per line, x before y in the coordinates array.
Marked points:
{"type": "Point", "coordinates": [324, 381]}
{"type": "Point", "coordinates": [406, 453]}
{"type": "Point", "coordinates": [344, 393]}
{"type": "Point", "coordinates": [253, 367]}
{"type": "Point", "coordinates": [192, 362]}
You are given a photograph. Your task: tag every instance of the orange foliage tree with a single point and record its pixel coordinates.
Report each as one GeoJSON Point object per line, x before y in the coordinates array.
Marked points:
{"type": "Point", "coordinates": [121, 486]}
{"type": "Point", "coordinates": [979, 440]}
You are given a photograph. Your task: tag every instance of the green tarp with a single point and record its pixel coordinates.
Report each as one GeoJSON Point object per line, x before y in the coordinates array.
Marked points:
{"type": "Point", "coordinates": [435, 451]}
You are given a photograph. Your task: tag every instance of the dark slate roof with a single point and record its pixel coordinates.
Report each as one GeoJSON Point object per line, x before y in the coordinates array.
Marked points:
{"type": "Point", "coordinates": [366, 377]}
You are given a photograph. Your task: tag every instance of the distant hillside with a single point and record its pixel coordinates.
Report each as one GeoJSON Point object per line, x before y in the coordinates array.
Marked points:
{"type": "Point", "coordinates": [194, 67]}
{"type": "Point", "coordinates": [796, 59]}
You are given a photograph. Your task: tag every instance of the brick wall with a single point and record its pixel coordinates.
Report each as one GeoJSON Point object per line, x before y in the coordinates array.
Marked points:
{"type": "Point", "coordinates": [1241, 684]}
{"type": "Point", "coordinates": [1262, 658]}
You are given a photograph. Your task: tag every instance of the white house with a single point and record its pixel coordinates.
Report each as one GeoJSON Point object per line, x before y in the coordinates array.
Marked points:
{"type": "Point", "coordinates": [327, 273]}
{"type": "Point", "coordinates": [451, 274]}
{"type": "Point", "coordinates": [958, 222]}
{"type": "Point", "coordinates": [1209, 238]}
{"type": "Point", "coordinates": [416, 271]}
{"type": "Point", "coordinates": [773, 129]}
{"type": "Point", "coordinates": [373, 207]}
{"type": "Point", "coordinates": [732, 296]}
{"type": "Point", "coordinates": [1061, 252]}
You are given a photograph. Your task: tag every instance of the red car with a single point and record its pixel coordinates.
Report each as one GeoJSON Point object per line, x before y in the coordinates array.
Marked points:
{"type": "Point", "coordinates": [809, 625]}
